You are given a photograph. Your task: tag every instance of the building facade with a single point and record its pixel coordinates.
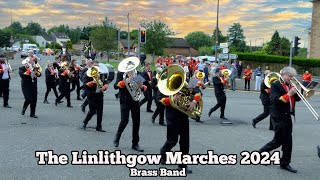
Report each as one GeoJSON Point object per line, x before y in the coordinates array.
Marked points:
{"type": "Point", "coordinates": [315, 31]}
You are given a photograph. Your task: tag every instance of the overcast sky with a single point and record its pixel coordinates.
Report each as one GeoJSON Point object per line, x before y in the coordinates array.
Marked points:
{"type": "Point", "coordinates": [259, 18]}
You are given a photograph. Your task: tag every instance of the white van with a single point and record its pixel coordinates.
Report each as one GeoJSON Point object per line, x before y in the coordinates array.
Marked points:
{"type": "Point", "coordinates": [27, 47]}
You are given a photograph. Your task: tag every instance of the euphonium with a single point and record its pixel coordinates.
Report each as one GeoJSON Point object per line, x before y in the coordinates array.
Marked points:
{"type": "Point", "coordinates": [172, 81]}
{"type": "Point", "coordinates": [128, 67]}
{"type": "Point", "coordinates": [94, 73]}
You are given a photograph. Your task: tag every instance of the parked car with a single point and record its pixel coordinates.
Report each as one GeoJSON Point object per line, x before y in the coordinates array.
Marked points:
{"type": "Point", "coordinates": [111, 72]}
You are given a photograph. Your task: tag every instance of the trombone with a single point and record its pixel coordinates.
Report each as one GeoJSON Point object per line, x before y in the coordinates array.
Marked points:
{"type": "Point", "coordinates": [307, 93]}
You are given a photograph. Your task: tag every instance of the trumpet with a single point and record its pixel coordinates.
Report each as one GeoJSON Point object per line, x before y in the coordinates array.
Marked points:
{"type": "Point", "coordinates": [307, 93]}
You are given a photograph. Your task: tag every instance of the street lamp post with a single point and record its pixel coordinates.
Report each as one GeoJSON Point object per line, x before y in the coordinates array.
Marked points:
{"type": "Point", "coordinates": [216, 41]}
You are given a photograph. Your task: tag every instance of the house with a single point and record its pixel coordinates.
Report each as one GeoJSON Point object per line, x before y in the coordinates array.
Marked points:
{"type": "Point", "coordinates": [43, 39]}
{"type": "Point", "coordinates": [180, 46]}
{"type": "Point", "coordinates": [60, 38]}
{"type": "Point", "coordinates": [124, 46]}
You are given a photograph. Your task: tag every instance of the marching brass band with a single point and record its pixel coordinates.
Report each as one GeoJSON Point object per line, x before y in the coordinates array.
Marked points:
{"type": "Point", "coordinates": [174, 92]}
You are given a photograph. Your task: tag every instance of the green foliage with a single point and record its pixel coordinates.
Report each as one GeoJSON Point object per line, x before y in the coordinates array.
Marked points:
{"type": "Point", "coordinates": [236, 38]}
{"type": "Point", "coordinates": [55, 45]}
{"type": "Point", "coordinates": [221, 38]}
{"type": "Point", "coordinates": [47, 45]}
{"type": "Point", "coordinates": [85, 33]}
{"type": "Point", "coordinates": [303, 53]}
{"type": "Point", "coordinates": [205, 50]}
{"type": "Point", "coordinates": [104, 37]}
{"type": "Point", "coordinates": [4, 38]}
{"type": "Point", "coordinates": [198, 39]}
{"type": "Point", "coordinates": [16, 28]}
{"type": "Point", "coordinates": [69, 45]}
{"type": "Point", "coordinates": [277, 45]}
{"type": "Point", "coordinates": [24, 37]}
{"type": "Point", "coordinates": [157, 36]}
{"type": "Point", "coordinates": [123, 35]}
{"type": "Point", "coordinates": [264, 58]}
{"type": "Point", "coordinates": [34, 29]}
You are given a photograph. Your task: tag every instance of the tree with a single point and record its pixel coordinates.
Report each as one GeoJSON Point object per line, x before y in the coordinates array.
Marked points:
{"type": "Point", "coordinates": [205, 50]}
{"type": "Point", "coordinates": [85, 33]}
{"type": "Point", "coordinates": [157, 36]}
{"type": "Point", "coordinates": [134, 34]}
{"type": "Point", "coordinates": [123, 35]}
{"type": "Point", "coordinates": [278, 46]}
{"type": "Point", "coordinates": [69, 45]}
{"type": "Point", "coordinates": [198, 39]}
{"type": "Point", "coordinates": [4, 38]}
{"type": "Point", "coordinates": [34, 29]}
{"type": "Point", "coordinates": [104, 37]}
{"type": "Point", "coordinates": [235, 33]}
{"type": "Point", "coordinates": [285, 47]}
{"type": "Point", "coordinates": [17, 28]}
{"type": "Point", "coordinates": [221, 38]}
{"type": "Point", "coordinates": [74, 35]}
{"type": "Point", "coordinates": [303, 53]}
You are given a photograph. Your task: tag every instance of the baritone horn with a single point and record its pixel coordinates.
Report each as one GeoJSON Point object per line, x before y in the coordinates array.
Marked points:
{"type": "Point", "coordinates": [172, 81]}
{"type": "Point", "coordinates": [307, 93]}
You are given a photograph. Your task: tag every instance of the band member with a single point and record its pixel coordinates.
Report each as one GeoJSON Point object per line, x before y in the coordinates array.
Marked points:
{"type": "Point", "coordinates": [219, 82]}
{"type": "Point", "coordinates": [283, 98]}
{"type": "Point", "coordinates": [51, 77]}
{"type": "Point", "coordinates": [29, 74]}
{"type": "Point", "coordinates": [65, 76]}
{"type": "Point", "coordinates": [222, 66]}
{"type": "Point", "coordinates": [160, 108]}
{"type": "Point", "coordinates": [95, 98]}
{"type": "Point", "coordinates": [306, 78]}
{"type": "Point", "coordinates": [264, 96]}
{"type": "Point", "coordinates": [4, 80]}
{"type": "Point", "coordinates": [82, 75]}
{"type": "Point", "coordinates": [177, 126]}
{"type": "Point", "coordinates": [127, 104]}
{"type": "Point", "coordinates": [147, 75]}
{"type": "Point", "coordinates": [75, 80]}
{"type": "Point", "coordinates": [247, 77]}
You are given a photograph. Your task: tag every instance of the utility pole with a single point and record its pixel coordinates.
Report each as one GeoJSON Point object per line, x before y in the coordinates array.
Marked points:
{"type": "Point", "coordinates": [217, 26]}
{"type": "Point", "coordinates": [118, 45]}
{"type": "Point", "coordinates": [139, 39]}
{"type": "Point", "coordinates": [290, 63]}
{"type": "Point", "coordinates": [128, 36]}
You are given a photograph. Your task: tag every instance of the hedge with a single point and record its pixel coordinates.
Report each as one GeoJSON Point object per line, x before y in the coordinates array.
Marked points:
{"type": "Point", "coordinates": [264, 58]}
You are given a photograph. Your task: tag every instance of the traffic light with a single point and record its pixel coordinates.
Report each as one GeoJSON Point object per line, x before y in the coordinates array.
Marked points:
{"type": "Point", "coordinates": [143, 37]}
{"type": "Point", "coordinates": [296, 46]}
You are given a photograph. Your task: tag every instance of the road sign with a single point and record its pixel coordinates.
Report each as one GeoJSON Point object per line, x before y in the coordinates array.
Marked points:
{"type": "Point", "coordinates": [224, 45]}
{"type": "Point", "coordinates": [225, 50]}
{"type": "Point", "coordinates": [214, 47]}
{"type": "Point", "coordinates": [233, 56]}
{"type": "Point", "coordinates": [223, 56]}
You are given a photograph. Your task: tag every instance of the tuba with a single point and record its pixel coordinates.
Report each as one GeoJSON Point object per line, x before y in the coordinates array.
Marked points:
{"type": "Point", "coordinates": [226, 73]}
{"type": "Point", "coordinates": [128, 67]}
{"type": "Point", "coordinates": [172, 81]}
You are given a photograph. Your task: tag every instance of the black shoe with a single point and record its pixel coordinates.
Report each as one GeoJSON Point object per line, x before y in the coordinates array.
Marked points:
{"type": "Point", "coordinates": [318, 147]}
{"type": "Point", "coordinates": [288, 168]}
{"type": "Point", "coordinates": [210, 112]}
{"type": "Point", "coordinates": [60, 102]}
{"type": "Point", "coordinates": [188, 171]}
{"type": "Point", "coordinates": [56, 103]}
{"type": "Point", "coordinates": [46, 102]}
{"type": "Point", "coordinates": [100, 130]}
{"type": "Point", "coordinates": [34, 116]}
{"type": "Point", "coordinates": [162, 124]}
{"type": "Point", "coordinates": [116, 141]}
{"type": "Point", "coordinates": [254, 123]}
{"type": "Point", "coordinates": [23, 111]}
{"type": "Point", "coordinates": [7, 106]}
{"type": "Point", "coordinates": [162, 161]}
{"type": "Point", "coordinates": [83, 109]}
{"type": "Point", "coordinates": [84, 126]}
{"type": "Point", "coordinates": [69, 106]}
{"type": "Point", "coordinates": [149, 110]}
{"type": "Point", "coordinates": [153, 120]}
{"type": "Point", "coordinates": [137, 148]}
{"type": "Point", "coordinates": [224, 118]}
{"type": "Point", "coordinates": [199, 121]}
{"type": "Point", "coordinates": [117, 96]}
{"type": "Point", "coordinates": [78, 98]}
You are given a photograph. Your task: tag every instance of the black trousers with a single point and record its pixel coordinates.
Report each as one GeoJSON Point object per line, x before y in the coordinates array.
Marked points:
{"type": "Point", "coordinates": [4, 86]}
{"type": "Point", "coordinates": [159, 111]}
{"type": "Point", "coordinates": [147, 98]}
{"type": "Point", "coordinates": [190, 74]}
{"type": "Point", "coordinates": [65, 93]}
{"type": "Point", "coordinates": [32, 101]}
{"type": "Point", "coordinates": [246, 82]}
{"type": "Point", "coordinates": [76, 83]}
{"type": "Point", "coordinates": [177, 126]}
{"type": "Point", "coordinates": [95, 105]}
{"type": "Point", "coordinates": [266, 112]}
{"type": "Point", "coordinates": [125, 108]}
{"type": "Point", "coordinates": [221, 103]}
{"type": "Point", "coordinates": [49, 87]}
{"type": "Point", "coordinates": [282, 137]}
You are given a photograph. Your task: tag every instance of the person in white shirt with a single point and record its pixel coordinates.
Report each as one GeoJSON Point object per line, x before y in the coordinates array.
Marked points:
{"type": "Point", "coordinates": [4, 80]}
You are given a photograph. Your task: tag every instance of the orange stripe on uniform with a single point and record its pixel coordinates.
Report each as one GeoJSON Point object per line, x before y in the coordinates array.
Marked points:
{"type": "Point", "coordinates": [165, 101]}
{"type": "Point", "coordinates": [197, 97]}
{"type": "Point", "coordinates": [284, 98]}
{"type": "Point", "coordinates": [90, 84]}
{"type": "Point", "coordinates": [121, 84]}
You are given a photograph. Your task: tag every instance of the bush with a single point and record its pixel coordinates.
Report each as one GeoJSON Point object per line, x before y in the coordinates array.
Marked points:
{"type": "Point", "coordinates": [264, 58]}
{"type": "Point", "coordinates": [55, 45]}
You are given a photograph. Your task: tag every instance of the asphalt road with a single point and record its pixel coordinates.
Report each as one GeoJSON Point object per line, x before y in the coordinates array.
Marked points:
{"type": "Point", "coordinates": [58, 129]}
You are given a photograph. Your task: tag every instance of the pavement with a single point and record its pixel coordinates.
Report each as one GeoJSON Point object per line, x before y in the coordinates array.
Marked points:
{"type": "Point", "coordinates": [58, 129]}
